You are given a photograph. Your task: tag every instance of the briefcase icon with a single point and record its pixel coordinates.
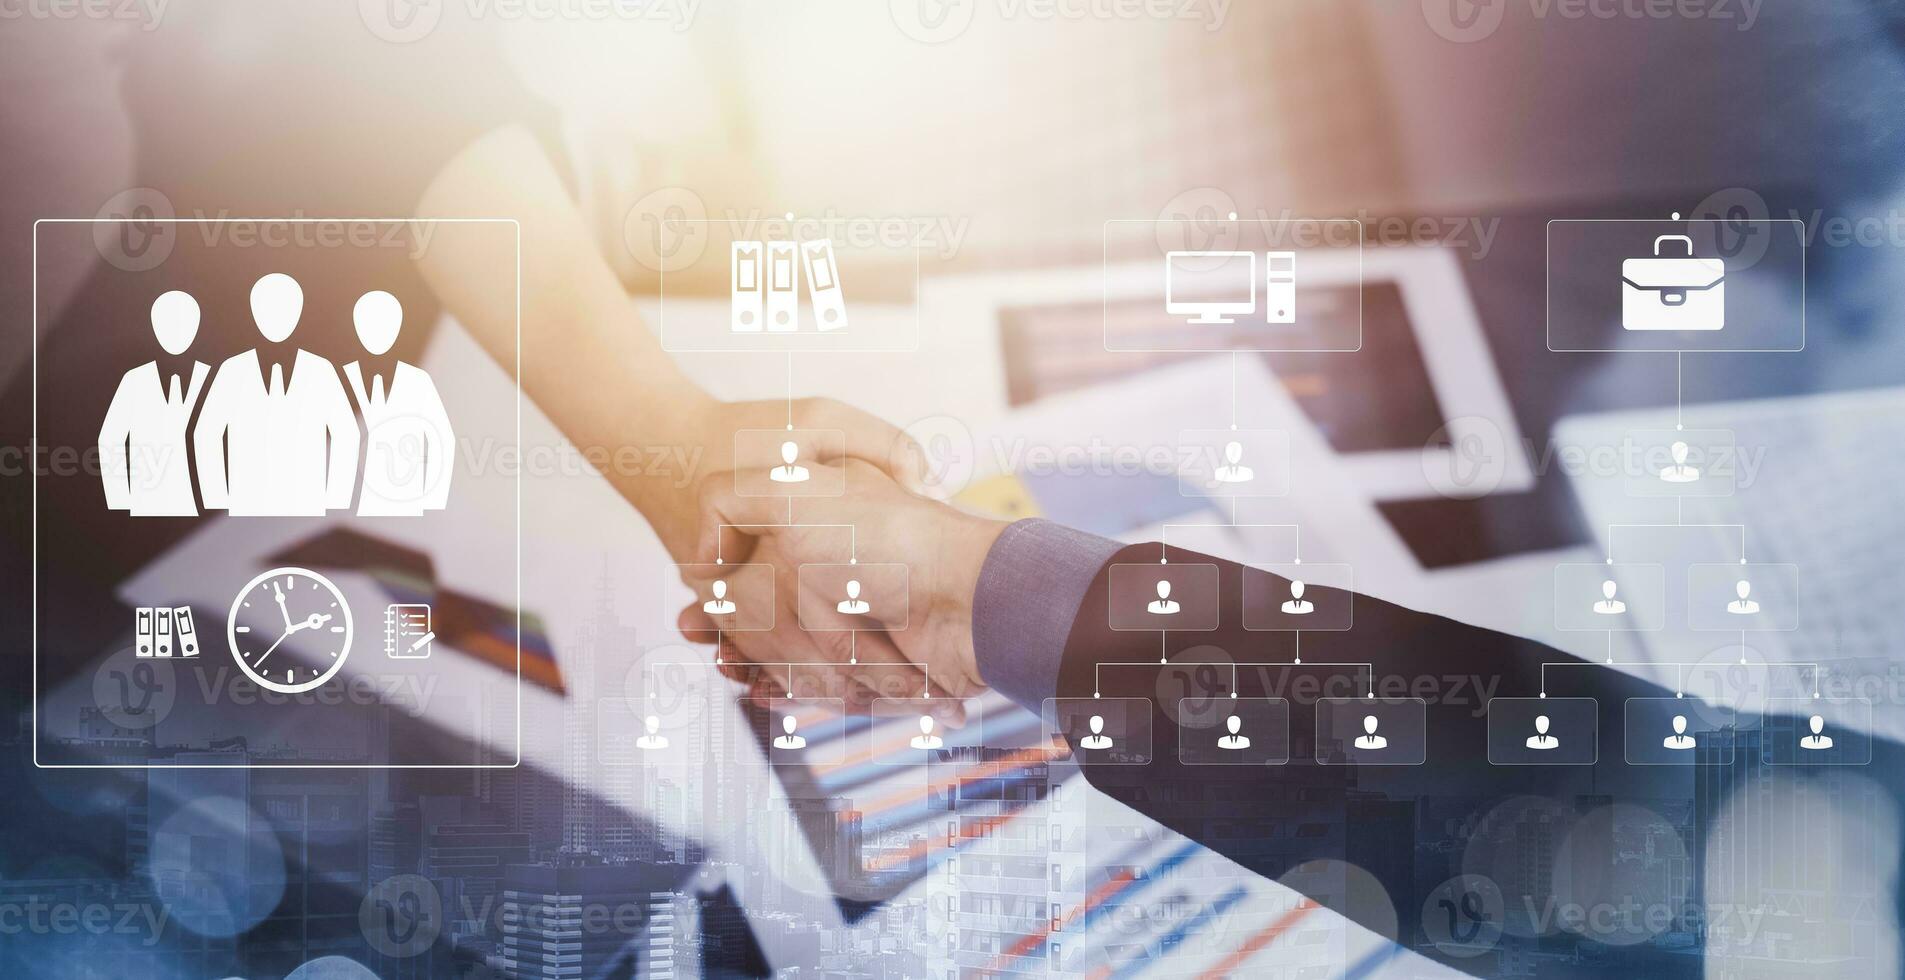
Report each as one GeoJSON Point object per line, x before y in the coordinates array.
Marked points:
{"type": "Point", "coordinates": [1673, 293]}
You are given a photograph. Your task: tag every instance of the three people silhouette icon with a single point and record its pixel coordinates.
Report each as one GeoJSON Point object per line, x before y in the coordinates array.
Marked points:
{"type": "Point", "coordinates": [1541, 739]}
{"type": "Point", "coordinates": [142, 447]}
{"type": "Point", "coordinates": [787, 739]}
{"type": "Point", "coordinates": [1679, 739]}
{"type": "Point", "coordinates": [1741, 605]}
{"type": "Point", "coordinates": [1296, 605]}
{"type": "Point", "coordinates": [1369, 739]}
{"type": "Point", "coordinates": [788, 472]}
{"type": "Point", "coordinates": [720, 605]}
{"type": "Point", "coordinates": [1608, 605]}
{"type": "Point", "coordinates": [277, 435]}
{"type": "Point", "coordinates": [1679, 472]}
{"type": "Point", "coordinates": [1818, 740]}
{"type": "Point", "coordinates": [853, 605]}
{"type": "Point", "coordinates": [1097, 739]}
{"type": "Point", "coordinates": [1164, 605]}
{"type": "Point", "coordinates": [652, 737]}
{"type": "Point", "coordinates": [1233, 741]}
{"type": "Point", "coordinates": [408, 444]}
{"type": "Point", "coordinates": [1233, 470]}
{"type": "Point", "coordinates": [926, 740]}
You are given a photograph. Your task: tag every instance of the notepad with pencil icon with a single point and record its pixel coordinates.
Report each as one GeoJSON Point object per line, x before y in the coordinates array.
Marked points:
{"type": "Point", "coordinates": [407, 631]}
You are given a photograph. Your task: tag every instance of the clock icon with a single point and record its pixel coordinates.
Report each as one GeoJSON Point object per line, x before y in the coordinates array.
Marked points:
{"type": "Point", "coordinates": [297, 602]}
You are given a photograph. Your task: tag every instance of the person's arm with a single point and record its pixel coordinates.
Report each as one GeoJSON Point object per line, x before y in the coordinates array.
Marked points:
{"type": "Point", "coordinates": [587, 361]}
{"type": "Point", "coordinates": [340, 479]}
{"type": "Point", "coordinates": [208, 445]}
{"type": "Point", "coordinates": [439, 456]}
{"type": "Point", "coordinates": [1031, 648]}
{"type": "Point", "coordinates": [113, 433]}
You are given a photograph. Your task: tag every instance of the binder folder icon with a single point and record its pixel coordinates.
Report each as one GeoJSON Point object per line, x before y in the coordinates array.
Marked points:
{"type": "Point", "coordinates": [747, 287]}
{"type": "Point", "coordinates": [160, 631]}
{"type": "Point", "coordinates": [783, 289]}
{"type": "Point", "coordinates": [764, 286]}
{"type": "Point", "coordinates": [823, 284]}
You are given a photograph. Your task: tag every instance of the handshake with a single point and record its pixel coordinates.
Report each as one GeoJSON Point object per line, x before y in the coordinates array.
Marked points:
{"type": "Point", "coordinates": [917, 638]}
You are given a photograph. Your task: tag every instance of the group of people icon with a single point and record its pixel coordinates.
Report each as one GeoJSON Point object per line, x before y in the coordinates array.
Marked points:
{"type": "Point", "coordinates": [1680, 740]}
{"type": "Point", "coordinates": [276, 434]}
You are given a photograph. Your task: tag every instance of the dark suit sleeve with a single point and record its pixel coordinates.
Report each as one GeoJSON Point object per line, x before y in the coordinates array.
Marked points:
{"type": "Point", "coordinates": [1407, 825]}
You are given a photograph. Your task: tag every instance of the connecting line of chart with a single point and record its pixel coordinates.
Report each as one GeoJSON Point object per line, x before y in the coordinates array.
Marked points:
{"type": "Point", "coordinates": [1680, 670]}
{"type": "Point", "coordinates": [648, 676]}
{"type": "Point", "coordinates": [1740, 527]}
{"type": "Point", "coordinates": [1097, 688]}
{"type": "Point", "coordinates": [853, 535]}
{"type": "Point", "coordinates": [1296, 542]}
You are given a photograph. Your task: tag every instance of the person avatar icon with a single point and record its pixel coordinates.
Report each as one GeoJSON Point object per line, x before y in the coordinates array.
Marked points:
{"type": "Point", "coordinates": [853, 605]}
{"type": "Point", "coordinates": [1679, 739]}
{"type": "Point", "coordinates": [1233, 741]}
{"type": "Point", "coordinates": [1742, 606]}
{"type": "Point", "coordinates": [1541, 739]}
{"type": "Point", "coordinates": [787, 472]}
{"type": "Point", "coordinates": [1679, 472]}
{"type": "Point", "coordinates": [787, 739]}
{"type": "Point", "coordinates": [276, 436]}
{"type": "Point", "coordinates": [1097, 739]}
{"type": "Point", "coordinates": [409, 447]}
{"type": "Point", "coordinates": [1233, 469]}
{"type": "Point", "coordinates": [1164, 605]}
{"type": "Point", "coordinates": [926, 740]}
{"type": "Point", "coordinates": [652, 739]}
{"type": "Point", "coordinates": [1369, 739]}
{"type": "Point", "coordinates": [1297, 605]}
{"type": "Point", "coordinates": [1817, 741]}
{"type": "Point", "coordinates": [720, 605]}
{"type": "Point", "coordinates": [1608, 605]}
{"type": "Point", "coordinates": [142, 457]}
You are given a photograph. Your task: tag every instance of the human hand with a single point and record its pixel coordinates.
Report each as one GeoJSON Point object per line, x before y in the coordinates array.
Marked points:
{"type": "Point", "coordinates": [673, 509]}
{"type": "Point", "coordinates": [929, 627]}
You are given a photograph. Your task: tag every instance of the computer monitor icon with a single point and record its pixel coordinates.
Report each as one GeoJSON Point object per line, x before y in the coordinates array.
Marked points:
{"type": "Point", "coordinates": [1210, 286]}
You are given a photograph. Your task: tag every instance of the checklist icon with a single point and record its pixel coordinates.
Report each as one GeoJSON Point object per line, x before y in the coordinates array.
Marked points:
{"type": "Point", "coordinates": [407, 631]}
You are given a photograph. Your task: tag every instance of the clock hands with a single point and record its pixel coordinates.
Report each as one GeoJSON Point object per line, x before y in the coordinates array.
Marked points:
{"type": "Point", "coordinates": [279, 590]}
{"type": "Point", "coordinates": [310, 622]}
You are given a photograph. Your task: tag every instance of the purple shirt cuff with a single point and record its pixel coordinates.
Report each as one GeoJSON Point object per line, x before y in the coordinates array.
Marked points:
{"type": "Point", "coordinates": [1034, 579]}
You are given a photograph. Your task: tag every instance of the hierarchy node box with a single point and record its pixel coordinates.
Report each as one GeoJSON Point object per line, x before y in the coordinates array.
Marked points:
{"type": "Point", "coordinates": [1233, 463]}
{"type": "Point", "coordinates": [325, 475]}
{"type": "Point", "coordinates": [1099, 731]}
{"type": "Point", "coordinates": [1755, 596]}
{"type": "Point", "coordinates": [800, 731]}
{"type": "Point", "coordinates": [1372, 731]}
{"type": "Point", "coordinates": [1680, 731]}
{"type": "Point", "coordinates": [1177, 596]}
{"type": "Point", "coordinates": [1816, 732]}
{"type": "Point", "coordinates": [1592, 596]}
{"type": "Point", "coordinates": [845, 596]}
{"type": "Point", "coordinates": [1675, 462]}
{"type": "Point", "coordinates": [1299, 596]}
{"type": "Point", "coordinates": [1233, 284]}
{"type": "Point", "coordinates": [1226, 731]}
{"type": "Point", "coordinates": [790, 462]}
{"type": "Point", "coordinates": [791, 282]}
{"type": "Point", "coordinates": [736, 598]}
{"type": "Point", "coordinates": [1544, 731]}
{"type": "Point", "coordinates": [1676, 284]}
